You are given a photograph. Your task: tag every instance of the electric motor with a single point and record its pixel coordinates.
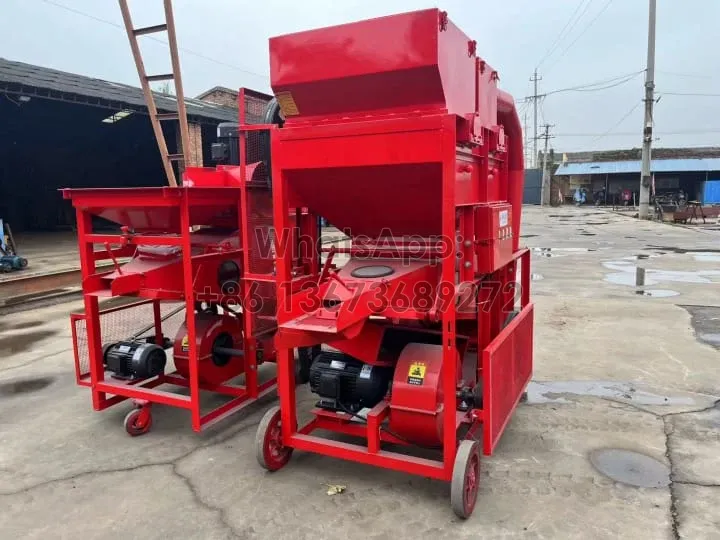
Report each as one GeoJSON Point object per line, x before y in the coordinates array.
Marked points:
{"type": "Point", "coordinates": [346, 384]}
{"type": "Point", "coordinates": [134, 360]}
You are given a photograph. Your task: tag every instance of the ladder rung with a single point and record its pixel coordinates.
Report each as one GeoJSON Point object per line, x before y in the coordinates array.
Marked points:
{"type": "Point", "coordinates": [176, 157]}
{"type": "Point", "coordinates": [167, 116]}
{"type": "Point", "coordinates": [150, 29]}
{"type": "Point", "coordinates": [163, 77]}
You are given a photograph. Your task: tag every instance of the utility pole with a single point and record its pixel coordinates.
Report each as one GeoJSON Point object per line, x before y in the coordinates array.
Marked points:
{"type": "Point", "coordinates": [525, 142]}
{"type": "Point", "coordinates": [535, 80]}
{"type": "Point", "coordinates": [545, 188]}
{"type": "Point", "coordinates": [645, 178]}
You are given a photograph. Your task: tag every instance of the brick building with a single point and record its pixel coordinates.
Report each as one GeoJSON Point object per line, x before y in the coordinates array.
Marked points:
{"type": "Point", "coordinates": [220, 96]}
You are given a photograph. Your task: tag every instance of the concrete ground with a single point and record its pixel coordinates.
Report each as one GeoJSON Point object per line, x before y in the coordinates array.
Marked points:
{"type": "Point", "coordinates": [46, 253]}
{"type": "Point", "coordinates": [613, 369]}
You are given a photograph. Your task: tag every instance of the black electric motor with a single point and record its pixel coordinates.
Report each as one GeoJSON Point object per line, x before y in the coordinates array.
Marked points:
{"type": "Point", "coordinates": [346, 384]}
{"type": "Point", "coordinates": [227, 150]}
{"type": "Point", "coordinates": [134, 360]}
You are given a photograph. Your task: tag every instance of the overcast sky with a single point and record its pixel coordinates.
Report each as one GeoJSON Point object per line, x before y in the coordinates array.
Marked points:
{"type": "Point", "coordinates": [225, 43]}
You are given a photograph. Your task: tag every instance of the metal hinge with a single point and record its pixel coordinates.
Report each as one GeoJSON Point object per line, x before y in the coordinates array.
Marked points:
{"type": "Point", "coordinates": [443, 21]}
{"type": "Point", "coordinates": [472, 47]}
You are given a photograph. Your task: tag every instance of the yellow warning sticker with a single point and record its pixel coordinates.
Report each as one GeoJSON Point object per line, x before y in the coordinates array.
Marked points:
{"type": "Point", "coordinates": [185, 344]}
{"type": "Point", "coordinates": [287, 104]}
{"type": "Point", "coordinates": [416, 373]}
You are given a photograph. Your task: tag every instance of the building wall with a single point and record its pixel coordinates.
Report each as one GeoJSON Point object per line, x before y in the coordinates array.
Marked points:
{"type": "Point", "coordinates": [532, 187]}
{"type": "Point", "coordinates": [221, 97]}
{"type": "Point", "coordinates": [195, 155]}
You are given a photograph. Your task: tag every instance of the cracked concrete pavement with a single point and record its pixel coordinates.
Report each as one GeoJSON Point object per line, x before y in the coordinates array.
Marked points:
{"type": "Point", "coordinates": [68, 472]}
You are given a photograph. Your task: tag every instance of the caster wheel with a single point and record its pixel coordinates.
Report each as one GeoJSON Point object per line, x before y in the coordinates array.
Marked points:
{"type": "Point", "coordinates": [523, 397]}
{"type": "Point", "coordinates": [465, 479]}
{"type": "Point", "coordinates": [23, 262]}
{"type": "Point", "coordinates": [138, 422]}
{"type": "Point", "coordinates": [269, 449]}
{"type": "Point", "coordinates": [303, 361]}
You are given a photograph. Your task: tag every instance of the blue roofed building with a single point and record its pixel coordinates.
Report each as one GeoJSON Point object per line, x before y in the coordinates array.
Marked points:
{"type": "Point", "coordinates": [696, 171]}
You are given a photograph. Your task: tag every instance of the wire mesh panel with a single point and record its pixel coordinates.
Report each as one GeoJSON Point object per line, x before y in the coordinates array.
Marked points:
{"type": "Point", "coordinates": [255, 107]}
{"type": "Point", "coordinates": [132, 322]}
{"type": "Point", "coordinates": [259, 221]}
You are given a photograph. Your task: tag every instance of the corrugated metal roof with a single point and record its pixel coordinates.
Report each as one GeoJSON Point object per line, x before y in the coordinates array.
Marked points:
{"type": "Point", "coordinates": [624, 167]}
{"type": "Point", "coordinates": [21, 77]}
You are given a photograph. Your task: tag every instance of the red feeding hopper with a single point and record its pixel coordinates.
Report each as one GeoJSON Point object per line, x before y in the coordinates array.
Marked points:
{"type": "Point", "coordinates": [396, 133]}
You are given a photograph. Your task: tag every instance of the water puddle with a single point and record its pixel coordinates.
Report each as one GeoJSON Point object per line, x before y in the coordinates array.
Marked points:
{"type": "Point", "coordinates": [707, 257]}
{"type": "Point", "coordinates": [21, 342]}
{"type": "Point", "coordinates": [704, 321]}
{"type": "Point", "coordinates": [626, 278]}
{"type": "Point", "coordinates": [631, 468]}
{"type": "Point", "coordinates": [560, 251]}
{"type": "Point", "coordinates": [624, 274]}
{"type": "Point", "coordinates": [703, 251]}
{"type": "Point", "coordinates": [712, 339]}
{"type": "Point", "coordinates": [657, 293]}
{"type": "Point", "coordinates": [24, 386]}
{"type": "Point", "coordinates": [25, 325]}
{"type": "Point", "coordinates": [561, 391]}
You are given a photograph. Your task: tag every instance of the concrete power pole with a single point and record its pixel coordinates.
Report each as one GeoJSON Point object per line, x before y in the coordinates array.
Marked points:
{"type": "Point", "coordinates": [535, 80]}
{"type": "Point", "coordinates": [525, 142]}
{"type": "Point", "coordinates": [645, 175]}
{"type": "Point", "coordinates": [545, 187]}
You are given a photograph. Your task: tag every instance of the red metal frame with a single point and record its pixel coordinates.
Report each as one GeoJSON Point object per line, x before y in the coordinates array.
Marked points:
{"type": "Point", "coordinates": [469, 140]}
{"type": "Point", "coordinates": [183, 203]}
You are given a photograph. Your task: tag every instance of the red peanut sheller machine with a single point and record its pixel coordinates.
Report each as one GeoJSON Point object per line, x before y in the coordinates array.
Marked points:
{"type": "Point", "coordinates": [396, 133]}
{"type": "Point", "coordinates": [193, 266]}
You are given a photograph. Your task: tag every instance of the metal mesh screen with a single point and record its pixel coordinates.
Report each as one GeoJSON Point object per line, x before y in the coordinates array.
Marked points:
{"type": "Point", "coordinates": [261, 260]}
{"type": "Point", "coordinates": [254, 108]}
{"type": "Point", "coordinates": [123, 324]}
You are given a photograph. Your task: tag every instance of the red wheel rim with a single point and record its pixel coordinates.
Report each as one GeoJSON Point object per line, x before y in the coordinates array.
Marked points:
{"type": "Point", "coordinates": [472, 479]}
{"type": "Point", "coordinates": [276, 455]}
{"type": "Point", "coordinates": [138, 423]}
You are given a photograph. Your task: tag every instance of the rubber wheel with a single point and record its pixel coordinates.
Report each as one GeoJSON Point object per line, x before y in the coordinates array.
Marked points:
{"type": "Point", "coordinates": [305, 357]}
{"type": "Point", "coordinates": [134, 422]}
{"type": "Point", "coordinates": [465, 479]}
{"type": "Point", "coordinates": [23, 262]}
{"type": "Point", "coordinates": [269, 449]}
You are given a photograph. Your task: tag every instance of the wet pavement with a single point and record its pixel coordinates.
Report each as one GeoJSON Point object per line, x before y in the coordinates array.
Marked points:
{"type": "Point", "coordinates": [618, 437]}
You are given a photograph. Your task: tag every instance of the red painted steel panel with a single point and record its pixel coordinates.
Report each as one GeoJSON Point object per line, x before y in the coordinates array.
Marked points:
{"type": "Point", "coordinates": [388, 62]}
{"type": "Point", "coordinates": [506, 369]}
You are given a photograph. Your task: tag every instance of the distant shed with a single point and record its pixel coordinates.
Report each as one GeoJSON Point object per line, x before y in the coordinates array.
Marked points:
{"type": "Point", "coordinates": [61, 129]}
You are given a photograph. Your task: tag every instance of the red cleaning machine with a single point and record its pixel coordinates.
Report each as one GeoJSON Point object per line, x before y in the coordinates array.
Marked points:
{"type": "Point", "coordinates": [190, 273]}
{"type": "Point", "coordinates": [396, 133]}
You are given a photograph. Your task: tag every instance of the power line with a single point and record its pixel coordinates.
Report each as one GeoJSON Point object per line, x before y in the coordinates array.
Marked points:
{"type": "Point", "coordinates": [687, 75]}
{"type": "Point", "coordinates": [562, 33]}
{"type": "Point", "coordinates": [616, 124]}
{"type": "Point", "coordinates": [594, 87]}
{"type": "Point", "coordinates": [183, 49]}
{"type": "Point", "coordinates": [687, 94]}
{"type": "Point", "coordinates": [634, 133]}
{"type": "Point", "coordinates": [591, 87]}
{"type": "Point", "coordinates": [582, 33]}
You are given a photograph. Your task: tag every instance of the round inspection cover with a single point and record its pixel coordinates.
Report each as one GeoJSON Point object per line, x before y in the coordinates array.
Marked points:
{"type": "Point", "coordinates": [632, 468]}
{"type": "Point", "coordinates": [372, 271]}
